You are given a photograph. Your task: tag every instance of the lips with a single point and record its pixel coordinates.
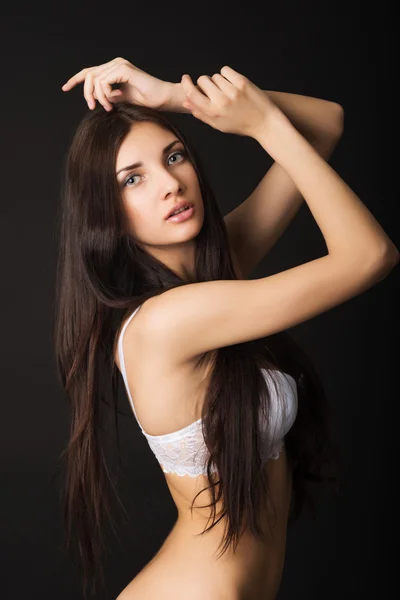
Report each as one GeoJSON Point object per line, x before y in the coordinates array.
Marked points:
{"type": "Point", "coordinates": [183, 215]}
{"type": "Point", "coordinates": [177, 206]}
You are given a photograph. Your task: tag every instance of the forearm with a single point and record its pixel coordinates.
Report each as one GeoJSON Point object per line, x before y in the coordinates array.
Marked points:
{"type": "Point", "coordinates": [314, 118]}
{"type": "Point", "coordinates": [319, 121]}
{"type": "Point", "coordinates": [349, 229]}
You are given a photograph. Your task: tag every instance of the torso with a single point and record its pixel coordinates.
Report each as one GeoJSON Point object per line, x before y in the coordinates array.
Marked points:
{"type": "Point", "coordinates": [185, 566]}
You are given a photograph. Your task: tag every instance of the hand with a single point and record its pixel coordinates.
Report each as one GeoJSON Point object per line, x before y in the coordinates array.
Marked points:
{"type": "Point", "coordinates": [136, 86]}
{"type": "Point", "coordinates": [231, 103]}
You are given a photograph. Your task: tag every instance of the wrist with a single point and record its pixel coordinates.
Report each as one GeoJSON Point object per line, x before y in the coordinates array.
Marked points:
{"type": "Point", "coordinates": [175, 96]}
{"type": "Point", "coordinates": [276, 133]}
{"type": "Point", "coordinates": [271, 126]}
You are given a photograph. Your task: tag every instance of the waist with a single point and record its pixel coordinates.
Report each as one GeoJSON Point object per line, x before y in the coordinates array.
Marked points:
{"type": "Point", "coordinates": [190, 524]}
{"type": "Point", "coordinates": [254, 570]}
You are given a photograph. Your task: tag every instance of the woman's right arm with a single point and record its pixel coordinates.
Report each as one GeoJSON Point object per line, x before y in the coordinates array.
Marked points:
{"type": "Point", "coordinates": [198, 317]}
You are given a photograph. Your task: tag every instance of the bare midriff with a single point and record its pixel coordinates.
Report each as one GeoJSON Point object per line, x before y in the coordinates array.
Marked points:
{"type": "Point", "coordinates": [254, 570]}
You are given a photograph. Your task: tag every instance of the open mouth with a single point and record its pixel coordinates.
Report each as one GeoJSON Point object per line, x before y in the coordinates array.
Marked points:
{"type": "Point", "coordinates": [182, 215]}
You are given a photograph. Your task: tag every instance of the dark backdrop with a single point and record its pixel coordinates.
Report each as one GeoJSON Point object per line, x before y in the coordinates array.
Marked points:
{"type": "Point", "coordinates": [338, 51]}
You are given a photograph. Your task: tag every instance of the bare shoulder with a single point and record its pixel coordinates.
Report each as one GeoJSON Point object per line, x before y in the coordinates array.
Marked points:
{"type": "Point", "coordinates": [136, 331]}
{"type": "Point", "coordinates": [143, 335]}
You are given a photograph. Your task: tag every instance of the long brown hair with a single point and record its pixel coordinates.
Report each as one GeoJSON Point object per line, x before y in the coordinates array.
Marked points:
{"type": "Point", "coordinates": [102, 275]}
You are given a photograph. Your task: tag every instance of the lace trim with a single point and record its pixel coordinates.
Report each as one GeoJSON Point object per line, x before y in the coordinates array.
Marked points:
{"type": "Point", "coordinates": [168, 458]}
{"type": "Point", "coordinates": [187, 456]}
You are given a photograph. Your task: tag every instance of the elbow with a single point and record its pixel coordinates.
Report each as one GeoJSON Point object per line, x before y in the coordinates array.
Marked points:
{"type": "Point", "coordinates": [337, 121]}
{"type": "Point", "coordinates": [385, 261]}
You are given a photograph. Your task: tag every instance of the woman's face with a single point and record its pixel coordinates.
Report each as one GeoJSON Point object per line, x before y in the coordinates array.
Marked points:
{"type": "Point", "coordinates": [151, 190]}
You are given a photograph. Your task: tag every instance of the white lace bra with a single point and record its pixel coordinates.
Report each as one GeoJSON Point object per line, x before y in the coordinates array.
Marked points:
{"type": "Point", "coordinates": [184, 451]}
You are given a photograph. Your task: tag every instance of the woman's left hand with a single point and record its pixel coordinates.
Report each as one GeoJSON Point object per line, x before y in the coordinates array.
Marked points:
{"type": "Point", "coordinates": [135, 85]}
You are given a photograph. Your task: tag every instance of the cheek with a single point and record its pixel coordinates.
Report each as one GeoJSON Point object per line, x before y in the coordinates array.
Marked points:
{"type": "Point", "coordinates": [144, 223]}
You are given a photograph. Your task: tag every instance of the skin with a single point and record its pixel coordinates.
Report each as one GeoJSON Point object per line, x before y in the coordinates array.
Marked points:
{"type": "Point", "coordinates": [152, 190]}
{"type": "Point", "coordinates": [183, 566]}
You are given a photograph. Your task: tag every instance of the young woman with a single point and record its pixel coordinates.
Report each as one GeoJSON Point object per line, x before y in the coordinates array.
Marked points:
{"type": "Point", "coordinates": [229, 404]}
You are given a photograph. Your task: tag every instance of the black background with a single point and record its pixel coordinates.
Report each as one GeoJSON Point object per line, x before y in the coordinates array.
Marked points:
{"type": "Point", "coordinates": [339, 51]}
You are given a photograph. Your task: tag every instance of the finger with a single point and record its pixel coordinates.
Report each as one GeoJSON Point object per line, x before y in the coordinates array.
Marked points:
{"type": "Point", "coordinates": [101, 94]}
{"type": "Point", "coordinates": [109, 78]}
{"type": "Point", "coordinates": [88, 91]}
{"type": "Point", "coordinates": [224, 85]}
{"type": "Point", "coordinates": [113, 94]}
{"type": "Point", "coordinates": [77, 78]}
{"type": "Point", "coordinates": [104, 77]}
{"type": "Point", "coordinates": [233, 76]}
{"type": "Point", "coordinates": [116, 74]}
{"type": "Point", "coordinates": [80, 76]}
{"type": "Point", "coordinates": [113, 74]}
{"type": "Point", "coordinates": [210, 88]}
{"type": "Point", "coordinates": [116, 96]}
{"type": "Point", "coordinates": [194, 95]}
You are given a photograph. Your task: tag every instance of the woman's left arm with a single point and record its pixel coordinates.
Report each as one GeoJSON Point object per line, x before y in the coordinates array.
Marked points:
{"type": "Point", "coordinates": [319, 121]}
{"type": "Point", "coordinates": [315, 118]}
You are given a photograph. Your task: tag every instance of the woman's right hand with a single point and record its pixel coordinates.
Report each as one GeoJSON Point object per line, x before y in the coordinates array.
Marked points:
{"type": "Point", "coordinates": [230, 102]}
{"type": "Point", "coordinates": [135, 86]}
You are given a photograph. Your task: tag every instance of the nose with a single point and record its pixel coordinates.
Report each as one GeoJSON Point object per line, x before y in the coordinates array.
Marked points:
{"type": "Point", "coordinates": [171, 185]}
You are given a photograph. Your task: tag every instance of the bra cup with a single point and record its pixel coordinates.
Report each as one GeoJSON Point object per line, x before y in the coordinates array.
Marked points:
{"type": "Point", "coordinates": [184, 452]}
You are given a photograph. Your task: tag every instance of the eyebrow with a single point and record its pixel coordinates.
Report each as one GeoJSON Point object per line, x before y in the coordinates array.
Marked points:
{"type": "Point", "coordinates": [140, 164]}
